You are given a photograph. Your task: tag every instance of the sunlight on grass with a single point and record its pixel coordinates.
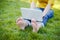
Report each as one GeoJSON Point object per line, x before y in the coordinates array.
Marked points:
{"type": "Point", "coordinates": [10, 11]}
{"type": "Point", "coordinates": [25, 1]}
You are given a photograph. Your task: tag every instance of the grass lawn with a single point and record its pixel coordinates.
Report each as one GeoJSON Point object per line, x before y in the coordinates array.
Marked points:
{"type": "Point", "coordinates": [10, 11]}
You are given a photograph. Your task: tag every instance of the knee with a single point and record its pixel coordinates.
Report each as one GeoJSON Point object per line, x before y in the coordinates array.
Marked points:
{"type": "Point", "coordinates": [50, 14]}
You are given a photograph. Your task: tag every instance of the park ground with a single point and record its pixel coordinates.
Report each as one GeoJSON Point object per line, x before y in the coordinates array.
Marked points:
{"type": "Point", "coordinates": [10, 11]}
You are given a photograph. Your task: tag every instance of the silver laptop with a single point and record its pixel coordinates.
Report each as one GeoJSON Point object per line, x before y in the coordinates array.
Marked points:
{"type": "Point", "coordinates": [29, 13]}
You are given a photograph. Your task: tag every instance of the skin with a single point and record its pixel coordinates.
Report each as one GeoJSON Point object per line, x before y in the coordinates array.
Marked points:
{"type": "Point", "coordinates": [22, 24]}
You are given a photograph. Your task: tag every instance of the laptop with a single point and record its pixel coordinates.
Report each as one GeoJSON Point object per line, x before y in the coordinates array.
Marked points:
{"type": "Point", "coordinates": [28, 13]}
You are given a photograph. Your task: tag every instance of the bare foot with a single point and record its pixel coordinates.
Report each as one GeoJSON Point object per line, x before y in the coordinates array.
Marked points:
{"type": "Point", "coordinates": [21, 23]}
{"type": "Point", "coordinates": [35, 25]}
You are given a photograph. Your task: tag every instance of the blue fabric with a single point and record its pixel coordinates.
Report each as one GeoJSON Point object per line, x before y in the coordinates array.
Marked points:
{"type": "Point", "coordinates": [47, 16]}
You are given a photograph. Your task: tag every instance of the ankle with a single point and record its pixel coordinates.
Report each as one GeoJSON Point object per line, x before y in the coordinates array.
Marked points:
{"type": "Point", "coordinates": [22, 28]}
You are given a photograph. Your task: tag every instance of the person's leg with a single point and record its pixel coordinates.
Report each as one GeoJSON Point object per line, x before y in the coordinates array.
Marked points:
{"type": "Point", "coordinates": [22, 23]}
{"type": "Point", "coordinates": [48, 16]}
{"type": "Point", "coordinates": [35, 25]}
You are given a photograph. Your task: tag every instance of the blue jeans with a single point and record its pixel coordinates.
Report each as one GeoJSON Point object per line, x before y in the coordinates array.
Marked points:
{"type": "Point", "coordinates": [45, 18]}
{"type": "Point", "coordinates": [49, 15]}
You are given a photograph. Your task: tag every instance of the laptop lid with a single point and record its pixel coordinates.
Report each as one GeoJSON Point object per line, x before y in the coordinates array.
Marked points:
{"type": "Point", "coordinates": [28, 13]}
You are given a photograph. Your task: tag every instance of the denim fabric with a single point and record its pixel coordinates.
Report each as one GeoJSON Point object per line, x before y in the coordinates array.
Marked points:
{"type": "Point", "coordinates": [45, 18]}
{"type": "Point", "coordinates": [49, 15]}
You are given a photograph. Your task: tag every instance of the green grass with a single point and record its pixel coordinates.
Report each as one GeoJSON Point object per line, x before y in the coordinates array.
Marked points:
{"type": "Point", "coordinates": [10, 11]}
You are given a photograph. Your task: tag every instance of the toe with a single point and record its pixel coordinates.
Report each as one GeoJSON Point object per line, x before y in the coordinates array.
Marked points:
{"type": "Point", "coordinates": [19, 19]}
